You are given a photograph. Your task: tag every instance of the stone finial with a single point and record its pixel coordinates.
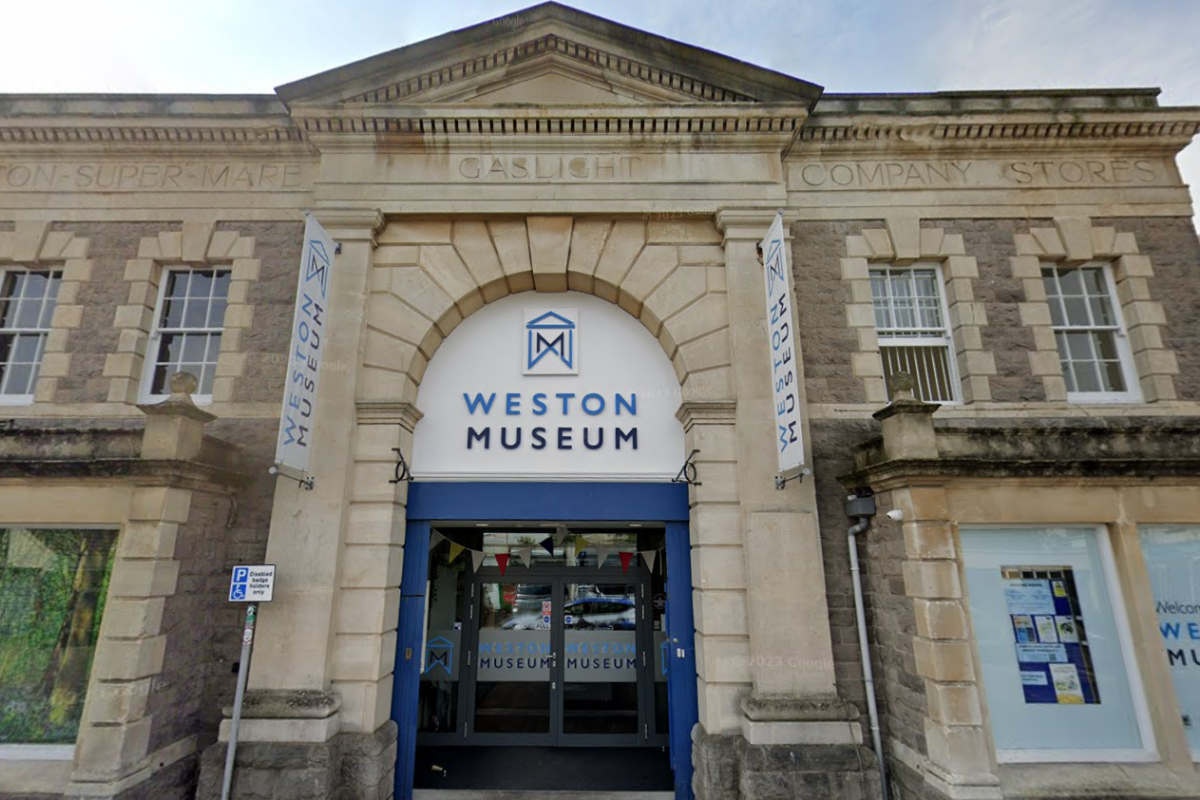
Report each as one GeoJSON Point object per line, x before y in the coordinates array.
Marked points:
{"type": "Point", "coordinates": [175, 427]}
{"type": "Point", "coordinates": [183, 386]}
{"type": "Point", "coordinates": [903, 386]}
{"type": "Point", "coordinates": [907, 422]}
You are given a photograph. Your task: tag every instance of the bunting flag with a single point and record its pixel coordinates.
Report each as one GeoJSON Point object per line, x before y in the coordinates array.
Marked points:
{"type": "Point", "coordinates": [602, 554]}
{"type": "Point", "coordinates": [581, 544]}
{"type": "Point", "coordinates": [560, 535]}
{"type": "Point", "coordinates": [455, 551]}
{"type": "Point", "coordinates": [626, 560]}
{"type": "Point", "coordinates": [434, 539]}
{"type": "Point", "coordinates": [526, 555]}
{"type": "Point", "coordinates": [502, 560]}
{"type": "Point", "coordinates": [650, 556]}
{"type": "Point", "coordinates": [477, 557]}
{"type": "Point", "coordinates": [548, 544]}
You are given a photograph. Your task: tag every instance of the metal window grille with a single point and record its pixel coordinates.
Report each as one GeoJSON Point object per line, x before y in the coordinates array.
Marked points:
{"type": "Point", "coordinates": [187, 329]}
{"type": "Point", "coordinates": [1086, 328]}
{"type": "Point", "coordinates": [27, 300]}
{"type": "Point", "coordinates": [910, 318]}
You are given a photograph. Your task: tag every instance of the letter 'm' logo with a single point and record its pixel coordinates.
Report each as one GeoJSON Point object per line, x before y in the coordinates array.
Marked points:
{"type": "Point", "coordinates": [551, 342]}
{"type": "Point", "coordinates": [439, 653]}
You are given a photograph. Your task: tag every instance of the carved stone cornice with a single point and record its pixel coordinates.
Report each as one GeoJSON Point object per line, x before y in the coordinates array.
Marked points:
{"type": "Point", "coordinates": [391, 125]}
{"type": "Point", "coordinates": [375, 412]}
{"type": "Point", "coordinates": [499, 60]}
{"type": "Point", "coordinates": [706, 412]}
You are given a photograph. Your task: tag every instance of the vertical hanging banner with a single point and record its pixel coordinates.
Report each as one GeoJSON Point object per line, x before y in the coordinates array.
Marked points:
{"type": "Point", "coordinates": [785, 383]}
{"type": "Point", "coordinates": [294, 445]}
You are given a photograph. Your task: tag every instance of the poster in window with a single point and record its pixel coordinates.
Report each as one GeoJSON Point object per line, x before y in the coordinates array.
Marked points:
{"type": "Point", "coordinates": [1053, 657]}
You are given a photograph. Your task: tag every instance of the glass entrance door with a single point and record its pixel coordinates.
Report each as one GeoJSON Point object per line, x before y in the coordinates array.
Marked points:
{"type": "Point", "coordinates": [560, 659]}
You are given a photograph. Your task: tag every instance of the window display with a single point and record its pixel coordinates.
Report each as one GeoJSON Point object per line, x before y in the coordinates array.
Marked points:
{"type": "Point", "coordinates": [1053, 648]}
{"type": "Point", "coordinates": [1172, 554]}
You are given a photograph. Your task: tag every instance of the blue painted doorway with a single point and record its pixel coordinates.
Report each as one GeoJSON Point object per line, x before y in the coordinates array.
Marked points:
{"type": "Point", "coordinates": [434, 505]}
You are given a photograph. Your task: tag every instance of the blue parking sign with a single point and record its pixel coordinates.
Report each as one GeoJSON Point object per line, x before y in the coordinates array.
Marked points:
{"type": "Point", "coordinates": [252, 584]}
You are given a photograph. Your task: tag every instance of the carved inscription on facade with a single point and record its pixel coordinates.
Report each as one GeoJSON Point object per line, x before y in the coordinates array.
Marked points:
{"type": "Point", "coordinates": [151, 177]}
{"type": "Point", "coordinates": [595, 167]}
{"type": "Point", "coordinates": [1097, 172]}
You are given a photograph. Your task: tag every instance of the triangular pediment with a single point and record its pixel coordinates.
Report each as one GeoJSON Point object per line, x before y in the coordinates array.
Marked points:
{"type": "Point", "coordinates": [549, 55]}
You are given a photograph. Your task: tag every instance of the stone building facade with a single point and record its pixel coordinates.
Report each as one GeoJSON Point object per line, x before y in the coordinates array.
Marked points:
{"type": "Point", "coordinates": [994, 312]}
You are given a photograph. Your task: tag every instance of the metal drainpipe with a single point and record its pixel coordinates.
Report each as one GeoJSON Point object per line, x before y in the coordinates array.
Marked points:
{"type": "Point", "coordinates": [868, 673]}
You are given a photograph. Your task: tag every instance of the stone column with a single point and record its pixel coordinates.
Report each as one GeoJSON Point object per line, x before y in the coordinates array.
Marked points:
{"type": "Point", "coordinates": [114, 750]}
{"type": "Point", "coordinates": [960, 762]}
{"type": "Point", "coordinates": [794, 698]}
{"type": "Point", "coordinates": [289, 697]}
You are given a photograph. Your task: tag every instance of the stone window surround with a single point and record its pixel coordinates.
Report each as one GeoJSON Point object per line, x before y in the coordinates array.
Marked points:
{"type": "Point", "coordinates": [960, 759]}
{"type": "Point", "coordinates": [1075, 241]}
{"type": "Point", "coordinates": [903, 242]}
{"type": "Point", "coordinates": [199, 246]}
{"type": "Point", "coordinates": [32, 244]}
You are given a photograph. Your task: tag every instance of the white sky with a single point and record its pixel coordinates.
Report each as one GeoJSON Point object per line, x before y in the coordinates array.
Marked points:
{"type": "Point", "coordinates": [251, 46]}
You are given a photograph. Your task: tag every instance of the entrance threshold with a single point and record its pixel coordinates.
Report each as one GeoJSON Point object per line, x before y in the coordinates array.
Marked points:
{"type": "Point", "coordinates": [464, 794]}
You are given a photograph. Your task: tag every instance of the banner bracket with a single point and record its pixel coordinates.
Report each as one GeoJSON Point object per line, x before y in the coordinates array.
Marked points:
{"type": "Point", "coordinates": [687, 473]}
{"type": "Point", "coordinates": [307, 481]}
{"type": "Point", "coordinates": [781, 480]}
{"type": "Point", "coordinates": [402, 473]}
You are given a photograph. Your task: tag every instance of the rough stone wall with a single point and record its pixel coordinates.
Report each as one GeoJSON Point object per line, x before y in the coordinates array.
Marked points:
{"type": "Point", "coordinates": [112, 244]}
{"type": "Point", "coordinates": [891, 623]}
{"type": "Point", "coordinates": [277, 247]}
{"type": "Point", "coordinates": [1174, 249]}
{"type": "Point", "coordinates": [992, 243]}
{"type": "Point", "coordinates": [821, 297]}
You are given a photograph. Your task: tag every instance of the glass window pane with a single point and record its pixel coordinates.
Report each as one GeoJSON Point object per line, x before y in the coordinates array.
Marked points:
{"type": "Point", "coordinates": [1077, 311]}
{"type": "Point", "coordinates": [1113, 376]}
{"type": "Point", "coordinates": [1087, 376]}
{"type": "Point", "coordinates": [1093, 281]}
{"type": "Point", "coordinates": [201, 285]}
{"type": "Point", "coordinates": [28, 313]}
{"type": "Point", "coordinates": [172, 316]}
{"type": "Point", "coordinates": [1101, 311]}
{"type": "Point", "coordinates": [35, 285]}
{"type": "Point", "coordinates": [27, 348]}
{"type": "Point", "coordinates": [1051, 654]}
{"type": "Point", "coordinates": [1172, 556]}
{"type": "Point", "coordinates": [1072, 281]}
{"type": "Point", "coordinates": [52, 598]}
{"type": "Point", "coordinates": [216, 314]}
{"type": "Point", "coordinates": [1080, 346]}
{"type": "Point", "coordinates": [221, 284]}
{"type": "Point", "coordinates": [161, 381]}
{"type": "Point", "coordinates": [171, 347]}
{"type": "Point", "coordinates": [194, 346]}
{"type": "Point", "coordinates": [177, 283]}
{"type": "Point", "coordinates": [214, 348]}
{"type": "Point", "coordinates": [195, 314]}
{"type": "Point", "coordinates": [18, 379]}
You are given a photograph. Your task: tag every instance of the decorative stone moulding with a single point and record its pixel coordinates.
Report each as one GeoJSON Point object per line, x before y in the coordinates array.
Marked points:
{"type": "Point", "coordinates": [32, 244]}
{"type": "Point", "coordinates": [197, 245]}
{"type": "Point", "coordinates": [1075, 240]}
{"type": "Point", "coordinates": [903, 241]}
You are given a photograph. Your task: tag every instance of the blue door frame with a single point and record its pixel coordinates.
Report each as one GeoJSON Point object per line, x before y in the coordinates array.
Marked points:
{"type": "Point", "coordinates": [568, 502]}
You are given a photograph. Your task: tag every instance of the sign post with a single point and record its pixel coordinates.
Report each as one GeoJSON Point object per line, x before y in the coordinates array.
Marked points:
{"type": "Point", "coordinates": [785, 378]}
{"type": "Point", "coordinates": [293, 448]}
{"type": "Point", "coordinates": [252, 585]}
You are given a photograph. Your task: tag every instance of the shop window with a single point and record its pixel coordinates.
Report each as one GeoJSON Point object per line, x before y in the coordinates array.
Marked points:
{"type": "Point", "coordinates": [53, 585]}
{"type": "Point", "coordinates": [1092, 346]}
{"type": "Point", "coordinates": [26, 305]}
{"type": "Point", "coordinates": [1053, 644]}
{"type": "Point", "coordinates": [186, 336]}
{"type": "Point", "coordinates": [910, 318]}
{"type": "Point", "coordinates": [1172, 554]}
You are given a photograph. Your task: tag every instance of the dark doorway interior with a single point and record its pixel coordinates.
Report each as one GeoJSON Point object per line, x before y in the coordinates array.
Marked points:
{"type": "Point", "coordinates": [610, 769]}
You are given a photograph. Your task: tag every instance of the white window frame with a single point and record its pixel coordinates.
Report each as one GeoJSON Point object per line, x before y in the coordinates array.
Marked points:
{"type": "Point", "coordinates": [1137, 690]}
{"type": "Point", "coordinates": [26, 399]}
{"type": "Point", "coordinates": [946, 340]}
{"type": "Point", "coordinates": [150, 362]}
{"type": "Point", "coordinates": [1133, 391]}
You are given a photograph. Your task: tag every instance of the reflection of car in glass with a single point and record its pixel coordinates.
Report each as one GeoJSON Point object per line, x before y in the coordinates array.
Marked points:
{"type": "Point", "coordinates": [530, 597]}
{"type": "Point", "coordinates": [589, 613]}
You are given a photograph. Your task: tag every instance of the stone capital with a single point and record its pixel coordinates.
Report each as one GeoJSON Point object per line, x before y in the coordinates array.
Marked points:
{"type": "Point", "coordinates": [751, 223]}
{"type": "Point", "coordinates": [406, 415]}
{"type": "Point", "coordinates": [706, 412]}
{"type": "Point", "coordinates": [351, 224]}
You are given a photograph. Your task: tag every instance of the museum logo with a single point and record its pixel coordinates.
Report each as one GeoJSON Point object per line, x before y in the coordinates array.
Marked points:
{"type": "Point", "coordinates": [551, 342]}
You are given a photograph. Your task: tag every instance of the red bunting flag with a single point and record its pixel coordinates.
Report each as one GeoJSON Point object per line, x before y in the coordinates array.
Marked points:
{"type": "Point", "coordinates": [626, 560]}
{"type": "Point", "coordinates": [502, 560]}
